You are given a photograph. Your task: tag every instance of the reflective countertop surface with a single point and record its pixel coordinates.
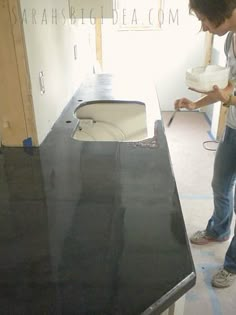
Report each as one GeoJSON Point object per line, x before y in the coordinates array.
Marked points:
{"type": "Point", "coordinates": [91, 228]}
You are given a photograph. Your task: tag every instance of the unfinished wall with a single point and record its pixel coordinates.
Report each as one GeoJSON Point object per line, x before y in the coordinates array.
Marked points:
{"type": "Point", "coordinates": [60, 49]}
{"type": "Point", "coordinates": [163, 54]}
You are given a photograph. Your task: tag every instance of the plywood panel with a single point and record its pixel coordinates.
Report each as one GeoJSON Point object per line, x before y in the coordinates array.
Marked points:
{"type": "Point", "coordinates": [23, 71]}
{"type": "Point", "coordinates": [15, 108]}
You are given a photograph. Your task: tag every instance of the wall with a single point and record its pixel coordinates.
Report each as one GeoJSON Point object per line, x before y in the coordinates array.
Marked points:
{"type": "Point", "coordinates": [163, 55]}
{"type": "Point", "coordinates": [50, 37]}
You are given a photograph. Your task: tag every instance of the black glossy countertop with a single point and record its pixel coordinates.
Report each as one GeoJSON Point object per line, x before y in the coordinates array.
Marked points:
{"type": "Point", "coordinates": [91, 228]}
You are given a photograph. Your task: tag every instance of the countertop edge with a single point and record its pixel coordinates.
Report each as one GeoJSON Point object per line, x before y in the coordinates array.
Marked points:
{"type": "Point", "coordinates": [172, 296]}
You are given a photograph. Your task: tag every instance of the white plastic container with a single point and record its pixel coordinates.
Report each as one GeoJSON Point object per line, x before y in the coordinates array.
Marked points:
{"type": "Point", "coordinates": [204, 78]}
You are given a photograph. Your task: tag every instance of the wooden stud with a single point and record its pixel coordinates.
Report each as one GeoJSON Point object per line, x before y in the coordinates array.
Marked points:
{"type": "Point", "coordinates": [99, 41]}
{"type": "Point", "coordinates": [208, 44]}
{"type": "Point", "coordinates": [222, 122]}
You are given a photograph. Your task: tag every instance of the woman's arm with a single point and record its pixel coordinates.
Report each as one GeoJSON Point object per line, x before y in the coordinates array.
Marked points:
{"type": "Point", "coordinates": [222, 95]}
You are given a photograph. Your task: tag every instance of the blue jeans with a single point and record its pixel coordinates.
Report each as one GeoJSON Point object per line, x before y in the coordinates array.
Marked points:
{"type": "Point", "coordinates": [223, 191]}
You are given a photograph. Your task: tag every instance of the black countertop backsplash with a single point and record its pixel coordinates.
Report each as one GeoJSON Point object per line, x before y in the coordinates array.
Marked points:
{"type": "Point", "coordinates": [91, 228]}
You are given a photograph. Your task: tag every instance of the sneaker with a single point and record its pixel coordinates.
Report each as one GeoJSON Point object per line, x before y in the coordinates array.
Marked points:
{"type": "Point", "coordinates": [223, 279]}
{"type": "Point", "coordinates": [201, 238]}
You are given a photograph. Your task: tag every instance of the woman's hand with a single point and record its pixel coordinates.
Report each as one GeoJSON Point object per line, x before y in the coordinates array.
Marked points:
{"type": "Point", "coordinates": [213, 96]}
{"type": "Point", "coordinates": [184, 103]}
{"type": "Point", "coordinates": [218, 94]}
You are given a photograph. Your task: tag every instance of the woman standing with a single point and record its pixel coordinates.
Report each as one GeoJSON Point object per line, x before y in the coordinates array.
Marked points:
{"type": "Point", "coordinates": [219, 17]}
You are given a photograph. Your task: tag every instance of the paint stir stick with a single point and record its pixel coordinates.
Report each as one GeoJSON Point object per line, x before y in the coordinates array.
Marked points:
{"type": "Point", "coordinates": [172, 117]}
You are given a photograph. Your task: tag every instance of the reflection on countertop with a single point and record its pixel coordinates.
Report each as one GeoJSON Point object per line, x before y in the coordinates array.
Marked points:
{"type": "Point", "coordinates": [91, 228]}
